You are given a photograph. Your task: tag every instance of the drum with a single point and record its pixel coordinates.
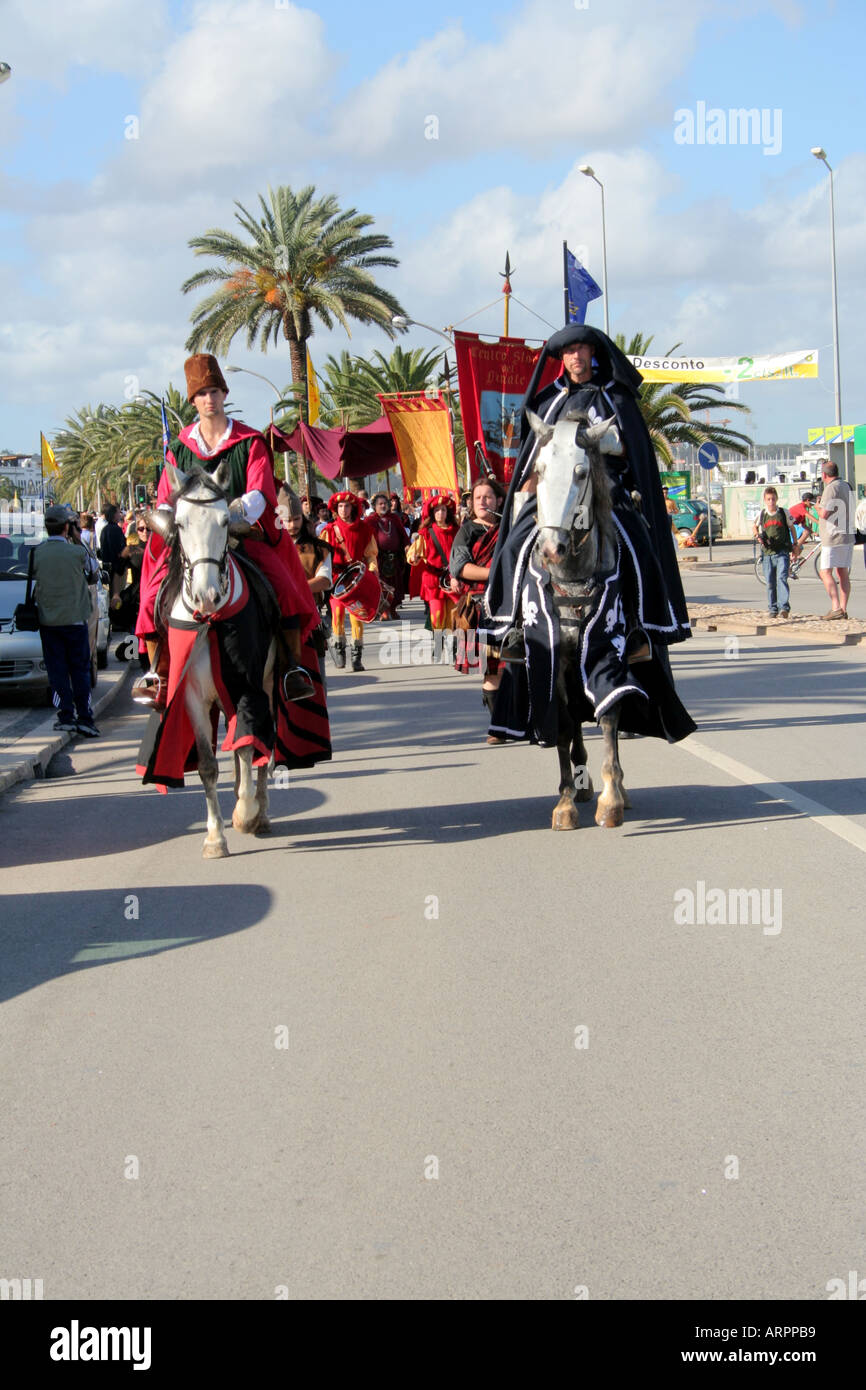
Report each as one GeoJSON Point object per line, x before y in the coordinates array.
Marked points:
{"type": "Point", "coordinates": [358, 589]}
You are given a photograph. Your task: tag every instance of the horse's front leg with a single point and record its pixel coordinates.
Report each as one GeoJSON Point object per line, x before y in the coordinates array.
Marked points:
{"type": "Point", "coordinates": [245, 816]}
{"type": "Point", "coordinates": [565, 812]}
{"type": "Point", "coordinates": [215, 846]}
{"type": "Point", "coordinates": [583, 781]}
{"type": "Point", "coordinates": [264, 825]}
{"type": "Point", "coordinates": [611, 802]}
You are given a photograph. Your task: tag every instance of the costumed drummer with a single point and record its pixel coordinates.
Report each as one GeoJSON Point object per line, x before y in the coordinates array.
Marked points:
{"type": "Point", "coordinates": [596, 378]}
{"type": "Point", "coordinates": [352, 541]}
{"type": "Point", "coordinates": [212, 440]}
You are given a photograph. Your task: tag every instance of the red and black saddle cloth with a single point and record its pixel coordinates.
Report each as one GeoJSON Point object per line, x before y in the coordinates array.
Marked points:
{"type": "Point", "coordinates": [296, 733]}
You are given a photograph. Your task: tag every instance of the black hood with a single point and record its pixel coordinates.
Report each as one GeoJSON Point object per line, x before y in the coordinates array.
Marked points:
{"type": "Point", "coordinates": [613, 365]}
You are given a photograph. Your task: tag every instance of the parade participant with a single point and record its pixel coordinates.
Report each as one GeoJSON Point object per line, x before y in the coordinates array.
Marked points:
{"type": "Point", "coordinates": [471, 555]}
{"type": "Point", "coordinates": [597, 379]}
{"type": "Point", "coordinates": [215, 439]}
{"type": "Point", "coordinates": [351, 540]}
{"type": "Point", "coordinates": [316, 555]}
{"type": "Point", "coordinates": [436, 536]}
{"type": "Point", "coordinates": [391, 538]}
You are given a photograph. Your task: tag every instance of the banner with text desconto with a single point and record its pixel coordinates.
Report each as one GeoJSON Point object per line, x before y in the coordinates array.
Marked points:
{"type": "Point", "coordinates": [722, 371]}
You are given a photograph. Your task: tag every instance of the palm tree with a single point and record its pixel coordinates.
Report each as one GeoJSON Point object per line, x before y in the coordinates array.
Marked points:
{"type": "Point", "coordinates": [669, 411]}
{"type": "Point", "coordinates": [304, 259]}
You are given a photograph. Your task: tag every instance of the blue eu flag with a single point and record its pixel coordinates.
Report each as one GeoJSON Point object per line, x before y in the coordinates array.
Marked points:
{"type": "Point", "coordinates": [580, 288]}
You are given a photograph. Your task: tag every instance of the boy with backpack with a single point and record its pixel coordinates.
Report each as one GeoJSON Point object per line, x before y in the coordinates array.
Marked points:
{"type": "Point", "coordinates": [778, 542]}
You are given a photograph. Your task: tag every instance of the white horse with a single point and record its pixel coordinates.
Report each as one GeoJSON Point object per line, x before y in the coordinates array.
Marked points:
{"type": "Point", "coordinates": [575, 543]}
{"type": "Point", "coordinates": [210, 578]}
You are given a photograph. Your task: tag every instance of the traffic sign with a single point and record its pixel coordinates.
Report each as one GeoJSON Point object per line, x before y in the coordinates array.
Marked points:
{"type": "Point", "coordinates": [708, 454]}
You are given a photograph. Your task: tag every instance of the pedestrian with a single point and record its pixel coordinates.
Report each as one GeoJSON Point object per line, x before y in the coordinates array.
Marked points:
{"type": "Point", "coordinates": [836, 531]}
{"type": "Point", "coordinates": [392, 540]}
{"type": "Point", "coordinates": [111, 538]}
{"type": "Point", "coordinates": [63, 604]}
{"type": "Point", "coordinates": [778, 543]}
{"type": "Point", "coordinates": [352, 541]}
{"type": "Point", "coordinates": [471, 555]}
{"type": "Point", "coordinates": [88, 534]}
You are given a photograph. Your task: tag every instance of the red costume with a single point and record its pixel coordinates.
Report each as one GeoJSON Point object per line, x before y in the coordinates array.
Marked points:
{"type": "Point", "coordinates": [351, 542]}
{"type": "Point", "coordinates": [434, 586]}
{"type": "Point", "coordinates": [270, 548]}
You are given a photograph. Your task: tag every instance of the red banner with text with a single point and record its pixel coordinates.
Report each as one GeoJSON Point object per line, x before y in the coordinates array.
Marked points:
{"type": "Point", "coordinates": [492, 378]}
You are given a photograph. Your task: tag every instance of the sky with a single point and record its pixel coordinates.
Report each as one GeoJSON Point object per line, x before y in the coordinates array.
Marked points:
{"type": "Point", "coordinates": [128, 127]}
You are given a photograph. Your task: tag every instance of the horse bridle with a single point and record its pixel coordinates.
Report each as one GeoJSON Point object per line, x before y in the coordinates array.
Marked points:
{"type": "Point", "coordinates": [187, 565]}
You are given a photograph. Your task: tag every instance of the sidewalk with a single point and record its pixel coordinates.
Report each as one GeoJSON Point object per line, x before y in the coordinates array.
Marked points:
{"type": "Point", "coordinates": [754, 622]}
{"type": "Point", "coordinates": [26, 753]}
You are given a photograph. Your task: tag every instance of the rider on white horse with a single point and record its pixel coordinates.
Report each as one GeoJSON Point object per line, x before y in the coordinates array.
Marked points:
{"type": "Point", "coordinates": [215, 440]}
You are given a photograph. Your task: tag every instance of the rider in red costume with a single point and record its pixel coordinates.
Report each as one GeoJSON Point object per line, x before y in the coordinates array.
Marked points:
{"type": "Point", "coordinates": [215, 439]}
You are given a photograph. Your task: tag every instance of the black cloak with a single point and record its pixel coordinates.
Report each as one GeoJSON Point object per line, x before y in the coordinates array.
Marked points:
{"type": "Point", "coordinates": [647, 574]}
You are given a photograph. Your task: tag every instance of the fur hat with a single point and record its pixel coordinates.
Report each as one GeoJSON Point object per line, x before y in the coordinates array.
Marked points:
{"type": "Point", "coordinates": [202, 372]}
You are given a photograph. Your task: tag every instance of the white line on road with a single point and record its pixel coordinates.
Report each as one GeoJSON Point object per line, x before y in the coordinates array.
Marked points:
{"type": "Point", "coordinates": [778, 791]}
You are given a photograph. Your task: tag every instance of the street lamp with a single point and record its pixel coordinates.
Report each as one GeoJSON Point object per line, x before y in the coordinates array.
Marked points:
{"type": "Point", "coordinates": [401, 321]}
{"type": "Point", "coordinates": [5, 72]}
{"type": "Point", "coordinates": [821, 155]}
{"type": "Point", "coordinates": [590, 174]}
{"type": "Point", "coordinates": [279, 395]}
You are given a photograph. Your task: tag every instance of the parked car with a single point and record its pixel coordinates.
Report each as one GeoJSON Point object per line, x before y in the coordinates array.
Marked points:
{"type": "Point", "coordinates": [22, 667]}
{"type": "Point", "coordinates": [686, 517]}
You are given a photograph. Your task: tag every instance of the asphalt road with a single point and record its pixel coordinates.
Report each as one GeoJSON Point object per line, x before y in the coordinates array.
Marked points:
{"type": "Point", "coordinates": [511, 1068]}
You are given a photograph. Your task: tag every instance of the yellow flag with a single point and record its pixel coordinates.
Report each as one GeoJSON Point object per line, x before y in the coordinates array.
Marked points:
{"type": "Point", "coordinates": [49, 462]}
{"type": "Point", "coordinates": [422, 438]}
{"type": "Point", "coordinates": [312, 393]}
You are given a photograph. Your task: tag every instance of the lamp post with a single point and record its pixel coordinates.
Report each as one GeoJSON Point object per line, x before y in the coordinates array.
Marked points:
{"type": "Point", "coordinates": [590, 173]}
{"type": "Point", "coordinates": [279, 395]}
{"type": "Point", "coordinates": [401, 321]}
{"type": "Point", "coordinates": [821, 155]}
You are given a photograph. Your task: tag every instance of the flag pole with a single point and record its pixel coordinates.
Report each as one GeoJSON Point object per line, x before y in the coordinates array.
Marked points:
{"type": "Point", "coordinates": [506, 290]}
{"type": "Point", "coordinates": [565, 282]}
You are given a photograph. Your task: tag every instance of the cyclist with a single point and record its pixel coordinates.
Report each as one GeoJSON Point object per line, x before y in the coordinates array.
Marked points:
{"type": "Point", "coordinates": [804, 517]}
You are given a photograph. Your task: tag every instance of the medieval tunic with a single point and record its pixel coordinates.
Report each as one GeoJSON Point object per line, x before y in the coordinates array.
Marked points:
{"type": "Point", "coordinates": [352, 542]}
{"type": "Point", "coordinates": [252, 479]}
{"type": "Point", "coordinates": [391, 538]}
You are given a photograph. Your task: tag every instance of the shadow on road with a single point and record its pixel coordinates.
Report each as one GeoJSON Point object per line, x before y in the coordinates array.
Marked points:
{"type": "Point", "coordinates": [46, 935]}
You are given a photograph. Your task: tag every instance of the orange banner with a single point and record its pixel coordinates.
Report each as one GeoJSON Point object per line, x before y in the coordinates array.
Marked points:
{"type": "Point", "coordinates": [421, 427]}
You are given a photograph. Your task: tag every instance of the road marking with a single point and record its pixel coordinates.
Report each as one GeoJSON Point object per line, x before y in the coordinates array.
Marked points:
{"type": "Point", "coordinates": [837, 824]}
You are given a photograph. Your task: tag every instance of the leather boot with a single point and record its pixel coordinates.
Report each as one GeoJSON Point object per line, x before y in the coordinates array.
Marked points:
{"type": "Point", "coordinates": [339, 652]}
{"type": "Point", "coordinates": [357, 650]}
{"type": "Point", "coordinates": [489, 698]}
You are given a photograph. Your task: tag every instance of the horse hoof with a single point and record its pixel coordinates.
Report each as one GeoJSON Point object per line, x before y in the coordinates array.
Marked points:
{"type": "Point", "coordinates": [245, 827]}
{"type": "Point", "coordinates": [264, 826]}
{"type": "Point", "coordinates": [215, 850]}
{"type": "Point", "coordinates": [585, 793]}
{"type": "Point", "coordinates": [626, 800]}
{"type": "Point", "coordinates": [566, 817]}
{"type": "Point", "coordinates": [609, 817]}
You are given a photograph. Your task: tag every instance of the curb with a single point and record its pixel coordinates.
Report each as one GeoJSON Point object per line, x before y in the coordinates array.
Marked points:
{"type": "Point", "coordinates": [741, 627]}
{"type": "Point", "coordinates": [36, 749]}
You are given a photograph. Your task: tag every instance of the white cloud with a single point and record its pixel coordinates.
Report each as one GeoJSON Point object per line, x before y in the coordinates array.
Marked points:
{"type": "Point", "coordinates": [44, 38]}
{"type": "Point", "coordinates": [556, 74]}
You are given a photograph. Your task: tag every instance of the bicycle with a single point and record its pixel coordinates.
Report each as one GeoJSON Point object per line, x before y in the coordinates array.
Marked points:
{"type": "Point", "coordinates": [796, 566]}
